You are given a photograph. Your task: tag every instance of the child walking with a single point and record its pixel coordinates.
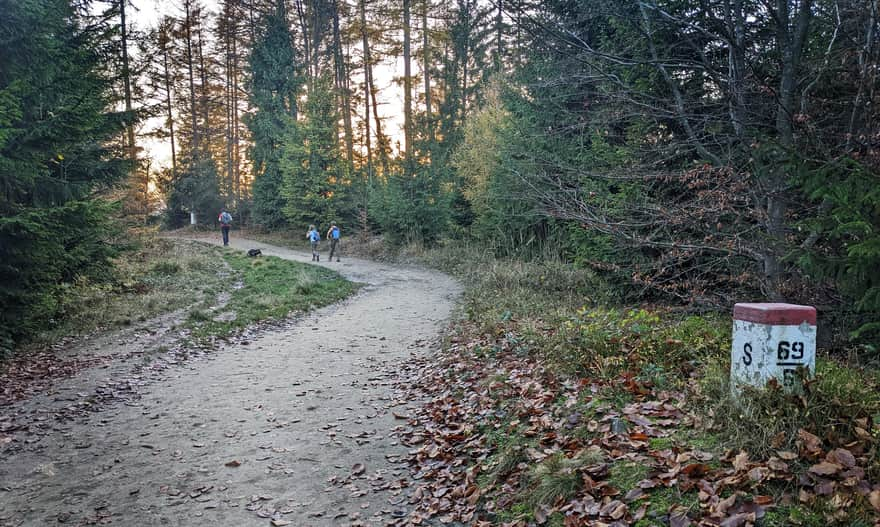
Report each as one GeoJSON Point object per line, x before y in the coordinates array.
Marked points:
{"type": "Point", "coordinates": [314, 238]}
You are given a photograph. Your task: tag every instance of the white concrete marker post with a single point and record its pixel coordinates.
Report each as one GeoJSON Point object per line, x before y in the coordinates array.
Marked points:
{"type": "Point", "coordinates": [771, 341]}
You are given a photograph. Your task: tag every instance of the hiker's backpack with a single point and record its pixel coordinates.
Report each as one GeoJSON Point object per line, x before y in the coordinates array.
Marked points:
{"type": "Point", "coordinates": [335, 233]}
{"type": "Point", "coordinates": [314, 236]}
{"type": "Point", "coordinates": [225, 218]}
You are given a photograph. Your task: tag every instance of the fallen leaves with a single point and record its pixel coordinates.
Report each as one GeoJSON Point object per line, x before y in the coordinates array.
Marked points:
{"type": "Point", "coordinates": [502, 416]}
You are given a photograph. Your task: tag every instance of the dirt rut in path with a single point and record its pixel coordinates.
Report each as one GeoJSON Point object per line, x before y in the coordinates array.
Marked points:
{"type": "Point", "coordinates": [296, 425]}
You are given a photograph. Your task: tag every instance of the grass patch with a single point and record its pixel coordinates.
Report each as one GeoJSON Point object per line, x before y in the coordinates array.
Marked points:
{"type": "Point", "coordinates": [270, 289]}
{"type": "Point", "coordinates": [762, 421]}
{"type": "Point", "coordinates": [554, 480]}
{"type": "Point", "coordinates": [661, 500]}
{"type": "Point", "coordinates": [156, 276]}
{"type": "Point", "coordinates": [625, 475]}
{"type": "Point", "coordinates": [160, 275]}
{"type": "Point", "coordinates": [564, 325]}
{"type": "Point", "coordinates": [659, 349]}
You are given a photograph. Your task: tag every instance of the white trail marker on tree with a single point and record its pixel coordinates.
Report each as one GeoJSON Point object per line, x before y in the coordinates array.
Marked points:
{"type": "Point", "coordinates": [772, 341]}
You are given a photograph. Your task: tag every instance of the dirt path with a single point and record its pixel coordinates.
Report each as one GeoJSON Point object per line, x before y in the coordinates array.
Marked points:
{"type": "Point", "coordinates": [296, 424]}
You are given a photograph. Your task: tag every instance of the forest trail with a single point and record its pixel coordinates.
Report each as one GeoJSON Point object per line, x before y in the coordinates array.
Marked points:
{"type": "Point", "coordinates": [296, 424]}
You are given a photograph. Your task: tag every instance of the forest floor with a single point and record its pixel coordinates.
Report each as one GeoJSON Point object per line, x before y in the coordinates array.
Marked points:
{"type": "Point", "coordinates": [296, 424]}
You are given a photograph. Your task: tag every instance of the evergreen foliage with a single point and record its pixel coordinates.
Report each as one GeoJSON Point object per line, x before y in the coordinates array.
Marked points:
{"type": "Point", "coordinates": [194, 189]}
{"type": "Point", "coordinates": [849, 193]}
{"type": "Point", "coordinates": [55, 132]}
{"type": "Point", "coordinates": [314, 174]}
{"type": "Point", "coordinates": [274, 87]}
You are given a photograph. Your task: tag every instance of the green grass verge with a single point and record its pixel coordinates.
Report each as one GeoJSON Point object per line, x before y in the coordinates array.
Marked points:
{"type": "Point", "coordinates": [221, 290]}
{"type": "Point", "coordinates": [267, 288]}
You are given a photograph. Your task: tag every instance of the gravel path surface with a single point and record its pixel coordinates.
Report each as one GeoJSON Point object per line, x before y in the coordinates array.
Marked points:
{"type": "Point", "coordinates": [295, 425]}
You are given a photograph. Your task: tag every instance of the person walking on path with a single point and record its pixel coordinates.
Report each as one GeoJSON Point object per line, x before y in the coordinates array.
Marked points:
{"type": "Point", "coordinates": [333, 236]}
{"type": "Point", "coordinates": [314, 238]}
{"type": "Point", "coordinates": [225, 220]}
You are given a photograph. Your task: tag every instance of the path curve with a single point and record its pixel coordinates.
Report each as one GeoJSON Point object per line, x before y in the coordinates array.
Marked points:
{"type": "Point", "coordinates": [298, 422]}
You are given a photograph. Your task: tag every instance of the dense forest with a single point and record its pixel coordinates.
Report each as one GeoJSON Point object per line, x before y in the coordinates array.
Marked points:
{"type": "Point", "coordinates": [694, 153]}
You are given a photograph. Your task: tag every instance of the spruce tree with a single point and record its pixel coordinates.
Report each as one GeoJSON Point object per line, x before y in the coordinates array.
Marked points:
{"type": "Point", "coordinates": [315, 174]}
{"type": "Point", "coordinates": [55, 153]}
{"type": "Point", "coordinates": [274, 86]}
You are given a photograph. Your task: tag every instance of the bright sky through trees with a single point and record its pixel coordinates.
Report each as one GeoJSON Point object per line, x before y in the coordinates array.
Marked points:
{"type": "Point", "coordinates": [147, 13]}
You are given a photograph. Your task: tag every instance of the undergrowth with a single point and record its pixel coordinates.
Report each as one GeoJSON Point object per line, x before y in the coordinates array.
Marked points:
{"type": "Point", "coordinates": [156, 276]}
{"type": "Point", "coordinates": [840, 405]}
{"type": "Point", "coordinates": [572, 324]}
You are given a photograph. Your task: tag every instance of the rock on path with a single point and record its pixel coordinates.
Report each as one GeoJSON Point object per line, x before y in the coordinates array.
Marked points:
{"type": "Point", "coordinates": [295, 425]}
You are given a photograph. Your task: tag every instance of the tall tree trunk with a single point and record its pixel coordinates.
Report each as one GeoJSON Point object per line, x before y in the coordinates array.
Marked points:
{"type": "Point", "coordinates": [204, 97]}
{"type": "Point", "coordinates": [304, 30]}
{"type": "Point", "coordinates": [138, 190]}
{"type": "Point", "coordinates": [381, 140]}
{"type": "Point", "coordinates": [126, 81]}
{"type": "Point", "coordinates": [407, 89]}
{"type": "Point", "coordinates": [342, 86]}
{"type": "Point", "coordinates": [368, 180]}
{"type": "Point", "coordinates": [229, 73]}
{"type": "Point", "coordinates": [426, 59]}
{"type": "Point", "coordinates": [168, 103]}
{"type": "Point", "coordinates": [791, 41]}
{"type": "Point", "coordinates": [499, 35]}
{"type": "Point", "coordinates": [192, 82]}
{"type": "Point", "coordinates": [736, 71]}
{"type": "Point", "coordinates": [236, 153]}
{"type": "Point", "coordinates": [466, 48]}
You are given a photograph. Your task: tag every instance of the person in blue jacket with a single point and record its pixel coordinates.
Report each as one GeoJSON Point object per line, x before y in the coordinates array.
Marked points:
{"type": "Point", "coordinates": [314, 238]}
{"type": "Point", "coordinates": [225, 220]}
{"type": "Point", "coordinates": [333, 236]}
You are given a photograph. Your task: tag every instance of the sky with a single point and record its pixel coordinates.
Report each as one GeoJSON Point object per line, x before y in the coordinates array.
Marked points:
{"type": "Point", "coordinates": [147, 13]}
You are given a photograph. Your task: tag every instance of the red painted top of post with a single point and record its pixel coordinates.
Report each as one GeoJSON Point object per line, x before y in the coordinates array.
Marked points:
{"type": "Point", "coordinates": [775, 314]}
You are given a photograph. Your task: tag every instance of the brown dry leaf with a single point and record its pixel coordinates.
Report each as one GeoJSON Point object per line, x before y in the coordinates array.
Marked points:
{"type": "Point", "coordinates": [874, 499]}
{"type": "Point", "coordinates": [778, 440]}
{"type": "Point", "coordinates": [776, 465]}
{"type": "Point", "coordinates": [825, 468]}
{"type": "Point", "coordinates": [763, 500]}
{"type": "Point", "coordinates": [724, 505]}
{"type": "Point", "coordinates": [741, 461]}
{"type": "Point", "coordinates": [541, 515]}
{"type": "Point", "coordinates": [786, 455]}
{"type": "Point", "coordinates": [804, 496]}
{"type": "Point", "coordinates": [759, 474]}
{"type": "Point", "coordinates": [841, 456]}
{"type": "Point", "coordinates": [812, 444]}
{"type": "Point", "coordinates": [233, 463]}
{"type": "Point", "coordinates": [738, 520]}
{"type": "Point", "coordinates": [696, 470]}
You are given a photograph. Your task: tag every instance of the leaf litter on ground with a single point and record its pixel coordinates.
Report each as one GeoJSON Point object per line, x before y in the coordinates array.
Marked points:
{"type": "Point", "coordinates": [467, 467]}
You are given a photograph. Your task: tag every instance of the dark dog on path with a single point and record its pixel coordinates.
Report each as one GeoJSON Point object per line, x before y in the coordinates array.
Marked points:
{"type": "Point", "coordinates": [255, 252]}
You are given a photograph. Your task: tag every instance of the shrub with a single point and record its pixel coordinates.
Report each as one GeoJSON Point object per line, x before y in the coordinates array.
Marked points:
{"type": "Point", "coordinates": [40, 251]}
{"type": "Point", "coordinates": [608, 341]}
